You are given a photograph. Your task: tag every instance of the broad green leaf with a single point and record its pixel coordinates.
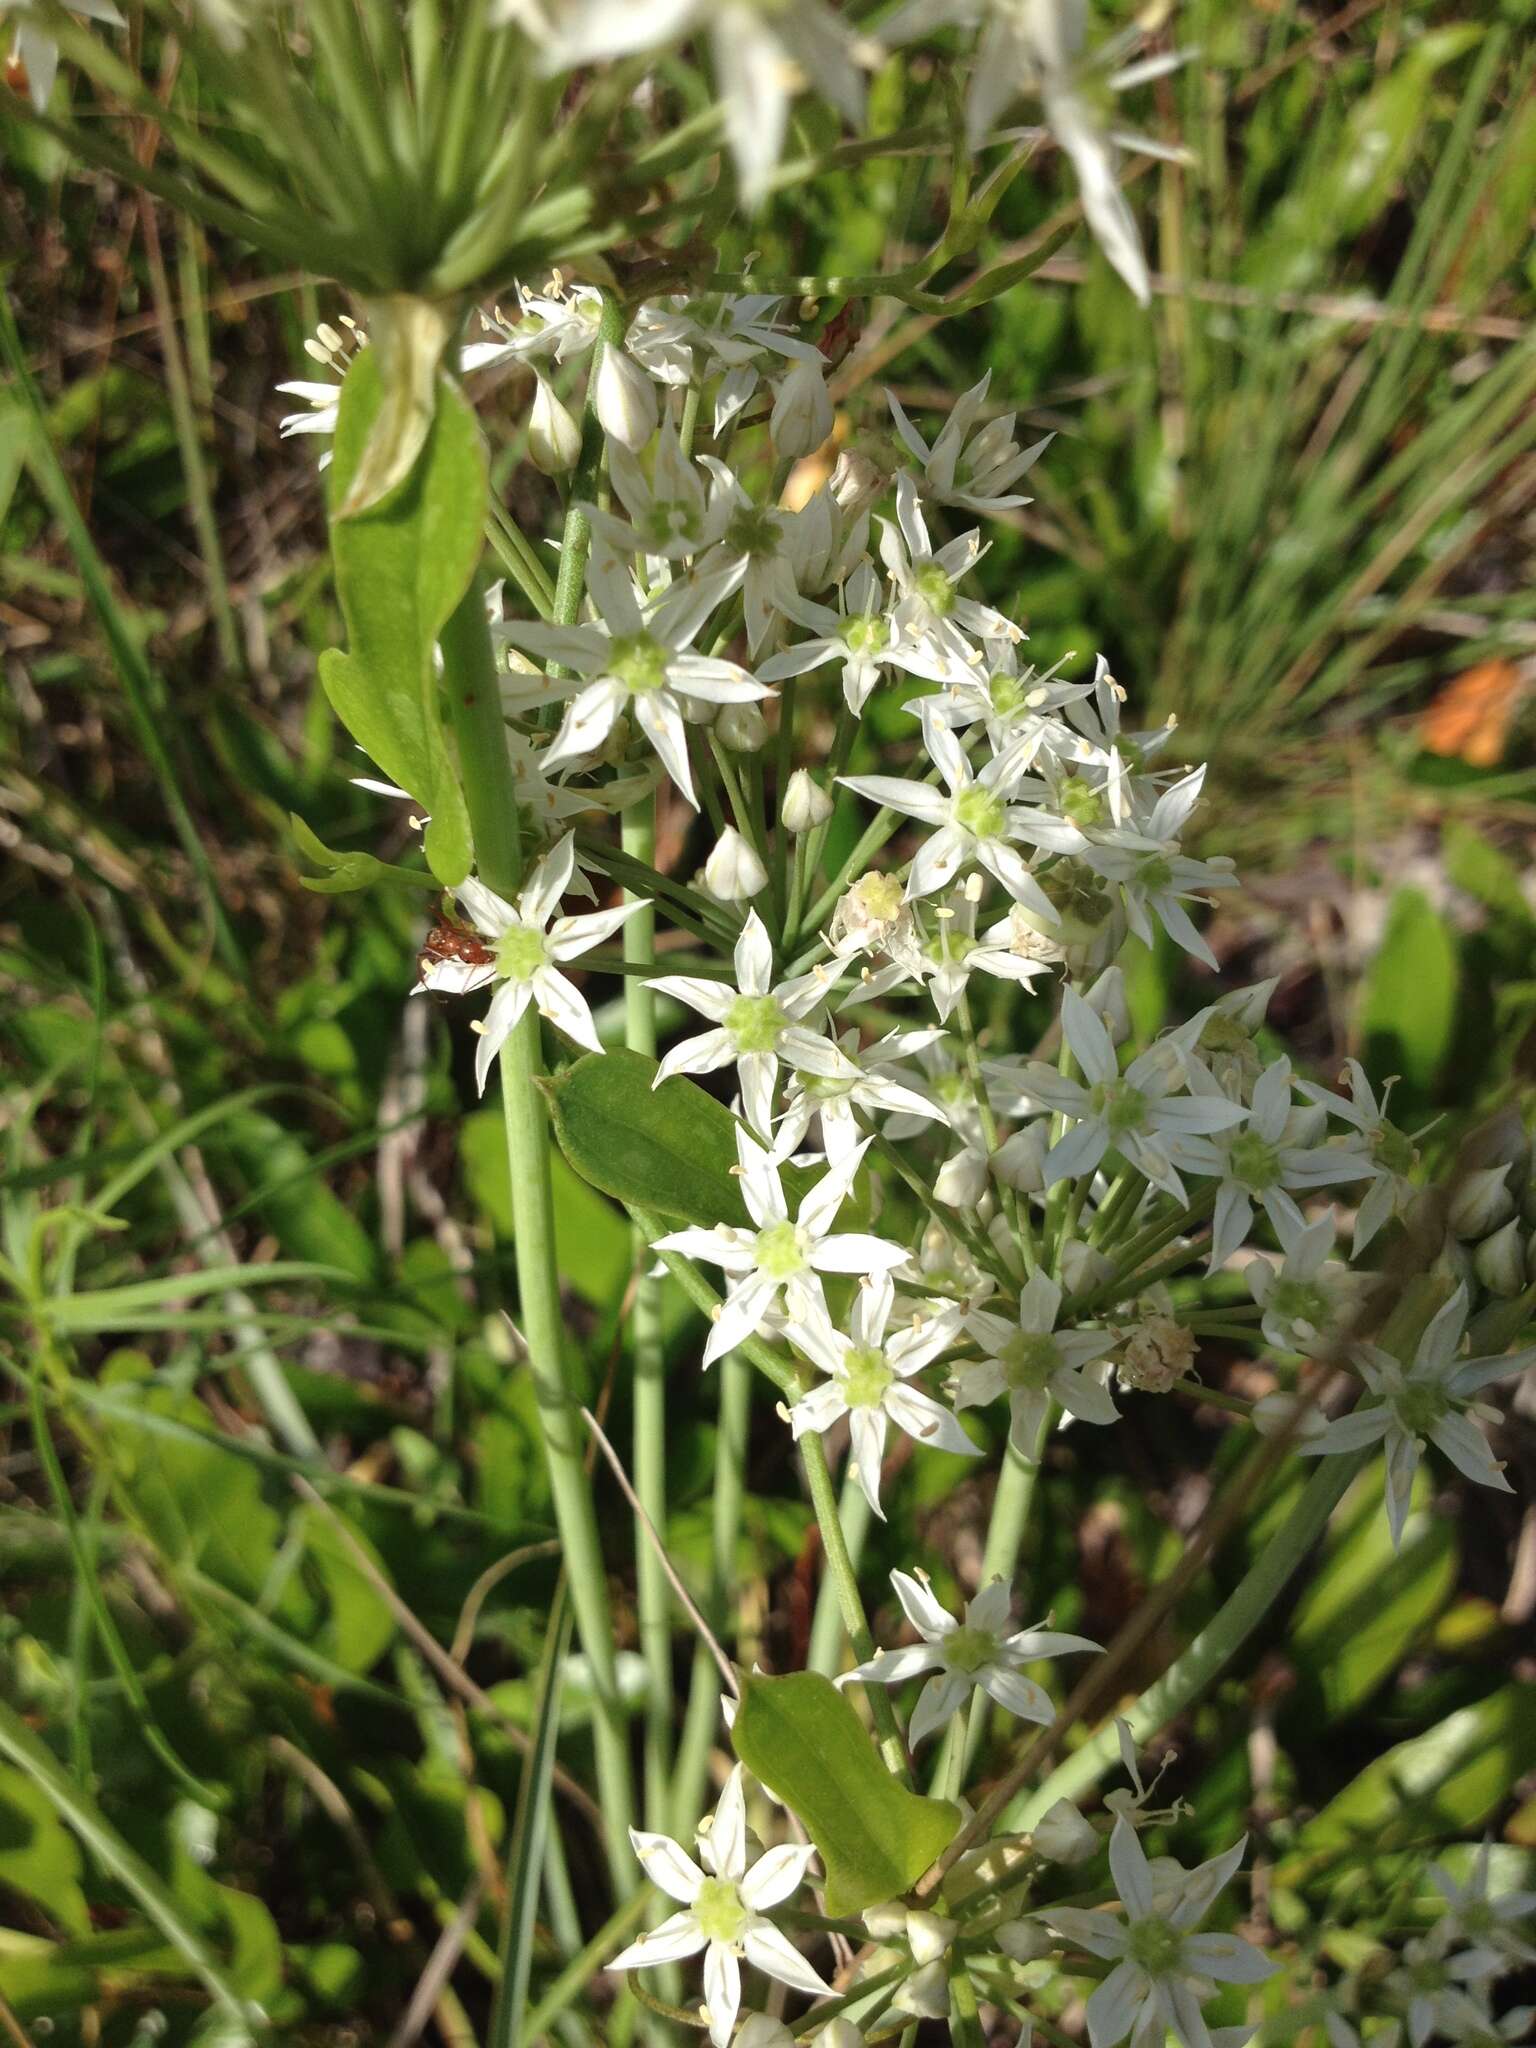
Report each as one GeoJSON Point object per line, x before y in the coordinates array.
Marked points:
{"type": "Point", "coordinates": [409, 336]}
{"type": "Point", "coordinates": [803, 1740]}
{"type": "Point", "coordinates": [1409, 1006]}
{"type": "Point", "coordinates": [401, 567]}
{"type": "Point", "coordinates": [1369, 1605]}
{"type": "Point", "coordinates": [670, 1149]}
{"type": "Point", "coordinates": [1475, 864]}
{"type": "Point", "coordinates": [290, 1195]}
{"type": "Point", "coordinates": [1445, 1782]}
{"type": "Point", "coordinates": [39, 1857]}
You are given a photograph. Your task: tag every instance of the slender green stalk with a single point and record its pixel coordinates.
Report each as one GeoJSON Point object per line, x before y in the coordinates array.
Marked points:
{"type": "Point", "coordinates": [734, 1376]}
{"type": "Point", "coordinates": [475, 705]}
{"type": "Point", "coordinates": [827, 1636]}
{"type": "Point", "coordinates": [580, 1970]}
{"type": "Point", "coordinates": [1217, 1643]}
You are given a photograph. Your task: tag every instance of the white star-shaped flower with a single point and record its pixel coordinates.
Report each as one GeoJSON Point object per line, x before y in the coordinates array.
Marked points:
{"type": "Point", "coordinates": [725, 1903]}
{"type": "Point", "coordinates": [632, 660]}
{"type": "Point", "coordinates": [978, 1652]}
{"type": "Point", "coordinates": [774, 1267]}
{"type": "Point", "coordinates": [527, 951]}
{"type": "Point", "coordinates": [756, 1025]}
{"type": "Point", "coordinates": [972, 471]}
{"type": "Point", "coordinates": [1162, 1967]}
{"type": "Point", "coordinates": [869, 1080]}
{"type": "Point", "coordinates": [1430, 1401]}
{"type": "Point", "coordinates": [1034, 1364]}
{"type": "Point", "coordinates": [871, 1372]}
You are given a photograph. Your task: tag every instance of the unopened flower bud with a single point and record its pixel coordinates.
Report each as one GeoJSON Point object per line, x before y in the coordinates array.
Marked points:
{"type": "Point", "coordinates": [962, 1180]}
{"type": "Point", "coordinates": [1083, 1268]}
{"type": "Point", "coordinates": [1063, 1836]}
{"type": "Point", "coordinates": [1158, 1353]}
{"type": "Point", "coordinates": [1020, 1160]}
{"type": "Point", "coordinates": [742, 727]}
{"type": "Point", "coordinates": [1502, 1141]}
{"type": "Point", "coordinates": [554, 437]}
{"type": "Point", "coordinates": [624, 399]}
{"type": "Point", "coordinates": [1107, 997]}
{"type": "Point", "coordinates": [856, 483]}
{"type": "Point", "coordinates": [838, 2033]}
{"type": "Point", "coordinates": [802, 410]}
{"type": "Point", "coordinates": [1499, 1261]}
{"type": "Point", "coordinates": [1026, 1941]}
{"type": "Point", "coordinates": [1482, 1202]}
{"type": "Point", "coordinates": [886, 1923]}
{"type": "Point", "coordinates": [925, 1994]}
{"type": "Point", "coordinates": [733, 871]}
{"type": "Point", "coordinates": [806, 803]}
{"type": "Point", "coordinates": [1275, 1413]}
{"type": "Point", "coordinates": [757, 2030]}
{"type": "Point", "coordinates": [929, 1936]}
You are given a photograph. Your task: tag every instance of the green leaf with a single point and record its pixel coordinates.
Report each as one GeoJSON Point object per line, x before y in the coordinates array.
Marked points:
{"type": "Point", "coordinates": [1446, 1782]}
{"type": "Point", "coordinates": [39, 1857]}
{"type": "Point", "coordinates": [401, 567]}
{"type": "Point", "coordinates": [803, 1740]}
{"type": "Point", "coordinates": [1408, 1011]}
{"type": "Point", "coordinates": [1368, 1604]}
{"type": "Point", "coordinates": [593, 1242]}
{"type": "Point", "coordinates": [345, 872]}
{"type": "Point", "coordinates": [670, 1149]}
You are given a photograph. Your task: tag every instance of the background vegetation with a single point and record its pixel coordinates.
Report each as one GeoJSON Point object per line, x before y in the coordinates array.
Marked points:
{"type": "Point", "coordinates": [285, 1678]}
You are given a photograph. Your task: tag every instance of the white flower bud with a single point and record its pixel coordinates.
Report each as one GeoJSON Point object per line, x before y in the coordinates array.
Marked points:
{"type": "Point", "coordinates": [624, 399]}
{"type": "Point", "coordinates": [1020, 1160]}
{"type": "Point", "coordinates": [806, 803]}
{"type": "Point", "coordinates": [1063, 1836]}
{"type": "Point", "coordinates": [962, 1180]}
{"type": "Point", "coordinates": [554, 437]}
{"type": "Point", "coordinates": [802, 410]}
{"type": "Point", "coordinates": [1083, 1268]}
{"type": "Point", "coordinates": [1502, 1141]}
{"type": "Point", "coordinates": [1158, 1353]}
{"type": "Point", "coordinates": [886, 1923]}
{"type": "Point", "coordinates": [1482, 1202]}
{"type": "Point", "coordinates": [733, 871]}
{"type": "Point", "coordinates": [929, 1936]}
{"type": "Point", "coordinates": [1499, 1261]}
{"type": "Point", "coordinates": [856, 483]}
{"type": "Point", "coordinates": [1025, 1941]}
{"type": "Point", "coordinates": [1274, 1415]}
{"type": "Point", "coordinates": [757, 2030]}
{"type": "Point", "coordinates": [1107, 997]}
{"type": "Point", "coordinates": [838, 2033]}
{"type": "Point", "coordinates": [925, 1994]}
{"type": "Point", "coordinates": [742, 727]}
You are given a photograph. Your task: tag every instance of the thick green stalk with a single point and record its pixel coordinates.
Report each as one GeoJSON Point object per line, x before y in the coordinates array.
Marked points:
{"type": "Point", "coordinates": [734, 1376]}
{"type": "Point", "coordinates": [653, 1594]}
{"type": "Point", "coordinates": [475, 705]}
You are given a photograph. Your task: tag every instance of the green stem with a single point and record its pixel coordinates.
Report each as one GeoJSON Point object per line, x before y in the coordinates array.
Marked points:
{"type": "Point", "coordinates": [475, 705]}
{"type": "Point", "coordinates": [826, 1646]}
{"type": "Point", "coordinates": [1217, 1643]}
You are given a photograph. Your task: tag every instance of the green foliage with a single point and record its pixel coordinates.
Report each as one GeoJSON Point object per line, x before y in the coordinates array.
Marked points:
{"type": "Point", "coordinates": [670, 1149]}
{"type": "Point", "coordinates": [802, 1738]}
{"type": "Point", "coordinates": [1409, 1002]}
{"type": "Point", "coordinates": [401, 567]}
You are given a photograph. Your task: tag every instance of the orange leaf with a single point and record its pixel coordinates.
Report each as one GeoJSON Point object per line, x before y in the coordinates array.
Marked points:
{"type": "Point", "coordinates": [1470, 718]}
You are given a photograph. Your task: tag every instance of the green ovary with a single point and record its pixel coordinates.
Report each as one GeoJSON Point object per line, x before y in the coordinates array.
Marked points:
{"type": "Point", "coordinates": [639, 663]}
{"type": "Point", "coordinates": [753, 533]}
{"type": "Point", "coordinates": [1080, 804]}
{"type": "Point", "coordinates": [1420, 1406]}
{"type": "Point", "coordinates": [1028, 1362]}
{"type": "Point", "coordinates": [1224, 1034]}
{"type": "Point", "coordinates": [1006, 693]}
{"type": "Point", "coordinates": [979, 812]}
{"type": "Point", "coordinates": [1122, 1107]}
{"type": "Point", "coordinates": [520, 953]}
{"type": "Point", "coordinates": [1394, 1148]}
{"type": "Point", "coordinates": [935, 589]}
{"type": "Point", "coordinates": [1155, 873]}
{"type": "Point", "coordinates": [1155, 1945]}
{"type": "Point", "coordinates": [719, 1911]}
{"type": "Point", "coordinates": [755, 1023]}
{"type": "Point", "coordinates": [1299, 1301]}
{"type": "Point", "coordinates": [969, 1650]}
{"type": "Point", "coordinates": [780, 1251]}
{"type": "Point", "coordinates": [865, 635]}
{"type": "Point", "coordinates": [1254, 1162]}
{"type": "Point", "coordinates": [865, 1377]}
